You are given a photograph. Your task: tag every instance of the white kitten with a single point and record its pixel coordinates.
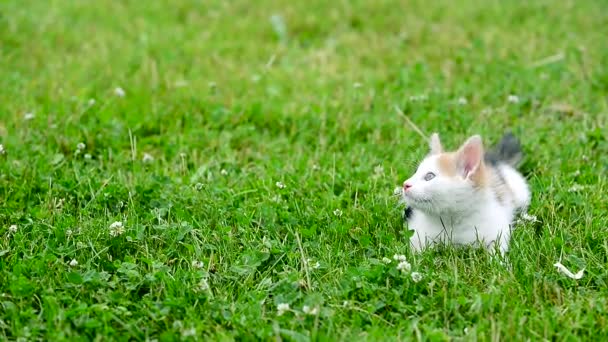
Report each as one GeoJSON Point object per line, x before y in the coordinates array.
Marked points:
{"type": "Point", "coordinates": [467, 196]}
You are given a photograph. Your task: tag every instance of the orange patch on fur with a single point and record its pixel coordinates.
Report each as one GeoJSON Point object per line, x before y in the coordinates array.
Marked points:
{"type": "Point", "coordinates": [447, 165]}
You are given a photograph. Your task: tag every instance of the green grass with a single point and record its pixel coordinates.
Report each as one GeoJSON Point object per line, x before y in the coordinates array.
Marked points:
{"type": "Point", "coordinates": [233, 99]}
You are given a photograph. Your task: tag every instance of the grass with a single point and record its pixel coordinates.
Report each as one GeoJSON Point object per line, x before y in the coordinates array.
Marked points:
{"type": "Point", "coordinates": [272, 146]}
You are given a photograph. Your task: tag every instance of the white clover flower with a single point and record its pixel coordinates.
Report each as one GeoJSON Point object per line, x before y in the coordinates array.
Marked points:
{"type": "Point", "coordinates": [13, 228]}
{"type": "Point", "coordinates": [28, 116]}
{"type": "Point", "coordinates": [378, 170]}
{"type": "Point", "coordinates": [118, 91]}
{"type": "Point", "coordinates": [314, 265]}
{"type": "Point", "coordinates": [69, 232]}
{"type": "Point", "coordinates": [147, 158]}
{"type": "Point", "coordinates": [280, 185]}
{"type": "Point", "coordinates": [2, 150]}
{"type": "Point", "coordinates": [337, 212]}
{"type": "Point", "coordinates": [73, 263]}
{"type": "Point", "coordinates": [404, 266]}
{"type": "Point", "coordinates": [386, 260]}
{"type": "Point", "coordinates": [116, 229]}
{"type": "Point", "coordinates": [310, 311]}
{"type": "Point", "coordinates": [223, 172]}
{"type": "Point", "coordinates": [202, 286]}
{"type": "Point", "coordinates": [282, 308]}
{"type": "Point", "coordinates": [528, 217]}
{"type": "Point", "coordinates": [513, 98]}
{"type": "Point", "coordinates": [399, 257]}
{"type": "Point", "coordinates": [197, 264]}
{"type": "Point", "coordinates": [462, 101]}
{"type": "Point", "coordinates": [87, 156]}
{"type": "Point", "coordinates": [81, 146]}
{"type": "Point", "coordinates": [416, 277]}
{"type": "Point", "coordinates": [576, 188]}
{"type": "Point", "coordinates": [316, 167]}
{"type": "Point", "coordinates": [418, 98]}
{"type": "Point", "coordinates": [189, 332]}
{"type": "Point", "coordinates": [91, 102]}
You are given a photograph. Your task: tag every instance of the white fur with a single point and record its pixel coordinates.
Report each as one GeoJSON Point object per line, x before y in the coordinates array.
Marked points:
{"type": "Point", "coordinates": [452, 210]}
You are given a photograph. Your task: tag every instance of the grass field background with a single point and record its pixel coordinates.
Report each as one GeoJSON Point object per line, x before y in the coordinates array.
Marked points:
{"type": "Point", "coordinates": [250, 150]}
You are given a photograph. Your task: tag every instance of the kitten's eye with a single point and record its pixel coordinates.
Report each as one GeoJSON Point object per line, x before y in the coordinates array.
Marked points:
{"type": "Point", "coordinates": [429, 176]}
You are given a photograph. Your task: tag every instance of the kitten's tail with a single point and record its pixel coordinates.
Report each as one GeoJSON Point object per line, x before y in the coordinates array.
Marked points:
{"type": "Point", "coordinates": [507, 151]}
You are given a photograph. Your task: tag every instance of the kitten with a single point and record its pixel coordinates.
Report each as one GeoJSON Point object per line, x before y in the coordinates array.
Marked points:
{"type": "Point", "coordinates": [467, 196]}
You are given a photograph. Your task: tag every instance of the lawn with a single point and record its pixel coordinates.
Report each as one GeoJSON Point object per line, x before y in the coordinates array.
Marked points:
{"type": "Point", "coordinates": [221, 170]}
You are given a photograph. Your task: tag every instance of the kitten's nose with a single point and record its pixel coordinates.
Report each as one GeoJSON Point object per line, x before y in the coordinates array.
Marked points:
{"type": "Point", "coordinates": [406, 186]}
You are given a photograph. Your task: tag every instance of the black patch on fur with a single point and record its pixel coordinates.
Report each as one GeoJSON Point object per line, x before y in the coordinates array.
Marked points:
{"type": "Point", "coordinates": [407, 213]}
{"type": "Point", "coordinates": [507, 151]}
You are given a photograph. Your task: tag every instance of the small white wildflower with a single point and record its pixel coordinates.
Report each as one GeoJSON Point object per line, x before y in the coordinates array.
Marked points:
{"type": "Point", "coordinates": [568, 273]}
{"type": "Point", "coordinates": [357, 85]}
{"type": "Point", "coordinates": [197, 264]}
{"type": "Point", "coordinates": [223, 172]}
{"type": "Point", "coordinates": [386, 260]}
{"type": "Point", "coordinates": [180, 83]}
{"type": "Point", "coordinates": [528, 217]}
{"type": "Point", "coordinates": [69, 233]}
{"type": "Point", "coordinates": [87, 156]}
{"type": "Point", "coordinates": [91, 102]}
{"type": "Point", "coordinates": [398, 191]}
{"type": "Point", "coordinates": [2, 151]}
{"type": "Point", "coordinates": [418, 98]}
{"type": "Point", "coordinates": [404, 266]}
{"type": "Point", "coordinates": [513, 99]}
{"type": "Point", "coordinates": [81, 146]}
{"type": "Point", "coordinates": [276, 199]}
{"type": "Point", "coordinates": [73, 263]}
{"type": "Point", "coordinates": [416, 277]}
{"type": "Point", "coordinates": [116, 229]}
{"type": "Point", "coordinates": [345, 303]}
{"type": "Point", "coordinates": [198, 186]}
{"type": "Point", "coordinates": [576, 188]}
{"type": "Point", "coordinates": [147, 158]}
{"type": "Point", "coordinates": [316, 167]}
{"type": "Point", "coordinates": [118, 91]}
{"type": "Point", "coordinates": [462, 101]}
{"type": "Point", "coordinates": [310, 311]}
{"type": "Point", "coordinates": [183, 155]}
{"type": "Point", "coordinates": [378, 170]}
{"type": "Point", "coordinates": [399, 257]}
{"type": "Point", "coordinates": [28, 116]}
{"type": "Point", "coordinates": [280, 185]}
{"type": "Point", "coordinates": [189, 332]}
{"type": "Point", "coordinates": [282, 308]}
{"type": "Point", "coordinates": [314, 265]}
{"type": "Point", "coordinates": [12, 228]}
{"type": "Point", "coordinates": [576, 173]}
{"type": "Point", "coordinates": [202, 286]}
{"type": "Point", "coordinates": [338, 212]}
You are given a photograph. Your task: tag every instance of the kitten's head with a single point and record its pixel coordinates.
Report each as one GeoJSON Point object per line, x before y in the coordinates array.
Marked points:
{"type": "Point", "coordinates": [447, 182]}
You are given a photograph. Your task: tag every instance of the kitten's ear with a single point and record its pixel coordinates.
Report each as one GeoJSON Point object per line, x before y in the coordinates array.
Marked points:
{"type": "Point", "coordinates": [470, 156]}
{"type": "Point", "coordinates": [435, 144]}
